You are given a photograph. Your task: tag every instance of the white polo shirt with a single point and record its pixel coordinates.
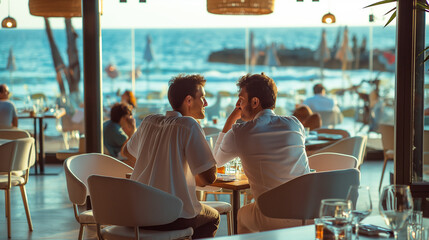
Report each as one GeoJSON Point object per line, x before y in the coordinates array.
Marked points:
{"type": "Point", "coordinates": [170, 151]}
{"type": "Point", "coordinates": [271, 149]}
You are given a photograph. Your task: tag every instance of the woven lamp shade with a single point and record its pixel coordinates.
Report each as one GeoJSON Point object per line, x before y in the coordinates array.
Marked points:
{"type": "Point", "coordinates": [8, 22]}
{"type": "Point", "coordinates": [240, 7]}
{"type": "Point", "coordinates": [55, 8]}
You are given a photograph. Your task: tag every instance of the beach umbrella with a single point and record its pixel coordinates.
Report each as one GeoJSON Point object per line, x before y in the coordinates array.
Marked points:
{"type": "Point", "coordinates": [323, 53]}
{"type": "Point", "coordinates": [271, 58]}
{"type": "Point", "coordinates": [344, 53]}
{"type": "Point", "coordinates": [11, 66]}
{"type": "Point", "coordinates": [148, 57]}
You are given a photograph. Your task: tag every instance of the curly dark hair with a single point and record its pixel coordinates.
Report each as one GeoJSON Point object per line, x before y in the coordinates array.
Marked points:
{"type": "Point", "coordinates": [119, 110]}
{"type": "Point", "coordinates": [182, 86]}
{"type": "Point", "coordinates": [318, 88]}
{"type": "Point", "coordinates": [260, 86]}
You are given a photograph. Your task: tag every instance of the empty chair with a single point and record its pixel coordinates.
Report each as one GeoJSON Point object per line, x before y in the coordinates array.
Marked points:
{"type": "Point", "coordinates": [12, 134]}
{"type": "Point", "coordinates": [77, 170]}
{"type": "Point", "coordinates": [354, 146]}
{"type": "Point", "coordinates": [323, 162]}
{"type": "Point", "coordinates": [330, 118]}
{"type": "Point", "coordinates": [300, 197]}
{"type": "Point", "coordinates": [15, 156]}
{"type": "Point", "coordinates": [124, 203]}
{"type": "Point", "coordinates": [388, 141]}
{"type": "Point", "coordinates": [341, 132]}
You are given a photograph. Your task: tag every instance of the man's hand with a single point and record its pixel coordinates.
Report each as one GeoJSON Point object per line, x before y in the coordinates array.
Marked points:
{"type": "Point", "coordinates": [206, 177]}
{"type": "Point", "coordinates": [129, 126]}
{"type": "Point", "coordinates": [233, 117]}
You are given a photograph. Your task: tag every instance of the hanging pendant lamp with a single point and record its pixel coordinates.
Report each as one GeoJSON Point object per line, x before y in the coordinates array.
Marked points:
{"type": "Point", "coordinates": [240, 7]}
{"type": "Point", "coordinates": [8, 22]}
{"type": "Point", "coordinates": [328, 18]}
{"type": "Point", "coordinates": [55, 8]}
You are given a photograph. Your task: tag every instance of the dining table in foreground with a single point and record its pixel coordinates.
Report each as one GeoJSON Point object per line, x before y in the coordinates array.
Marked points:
{"type": "Point", "coordinates": [236, 186]}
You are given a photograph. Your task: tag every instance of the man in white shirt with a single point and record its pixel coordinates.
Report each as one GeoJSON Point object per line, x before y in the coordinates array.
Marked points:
{"type": "Point", "coordinates": [8, 116]}
{"type": "Point", "coordinates": [320, 102]}
{"type": "Point", "coordinates": [271, 148]}
{"type": "Point", "coordinates": [172, 155]}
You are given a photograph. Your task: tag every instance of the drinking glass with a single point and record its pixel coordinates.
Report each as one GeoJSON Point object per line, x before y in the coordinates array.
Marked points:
{"type": "Point", "coordinates": [336, 214]}
{"type": "Point", "coordinates": [414, 228]}
{"type": "Point", "coordinates": [361, 205]}
{"type": "Point", "coordinates": [396, 205]}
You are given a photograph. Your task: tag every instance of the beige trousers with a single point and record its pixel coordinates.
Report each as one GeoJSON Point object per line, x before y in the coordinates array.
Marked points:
{"type": "Point", "coordinates": [250, 219]}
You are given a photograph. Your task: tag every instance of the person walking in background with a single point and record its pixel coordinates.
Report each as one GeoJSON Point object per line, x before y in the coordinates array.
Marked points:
{"type": "Point", "coordinates": [173, 155]}
{"type": "Point", "coordinates": [320, 102]}
{"type": "Point", "coordinates": [271, 148]}
{"type": "Point", "coordinates": [129, 98]}
{"type": "Point", "coordinates": [8, 116]}
{"type": "Point", "coordinates": [119, 128]}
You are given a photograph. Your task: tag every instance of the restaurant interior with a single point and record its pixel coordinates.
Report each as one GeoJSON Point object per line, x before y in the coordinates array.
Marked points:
{"type": "Point", "coordinates": [58, 144]}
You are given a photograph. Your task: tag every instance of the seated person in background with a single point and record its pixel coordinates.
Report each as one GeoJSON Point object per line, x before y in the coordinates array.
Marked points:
{"type": "Point", "coordinates": [271, 148]}
{"type": "Point", "coordinates": [319, 102]}
{"type": "Point", "coordinates": [307, 117]}
{"type": "Point", "coordinates": [8, 116]}
{"type": "Point", "coordinates": [173, 155]}
{"type": "Point", "coordinates": [119, 128]}
{"type": "Point", "coordinates": [129, 98]}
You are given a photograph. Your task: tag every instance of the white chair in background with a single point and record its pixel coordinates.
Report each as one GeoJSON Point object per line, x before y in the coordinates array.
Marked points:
{"type": "Point", "coordinates": [300, 197]}
{"type": "Point", "coordinates": [354, 146]}
{"type": "Point", "coordinates": [77, 170]}
{"type": "Point", "coordinates": [388, 141]}
{"type": "Point", "coordinates": [323, 162]}
{"type": "Point", "coordinates": [15, 156]}
{"type": "Point", "coordinates": [13, 134]}
{"type": "Point", "coordinates": [211, 130]}
{"type": "Point", "coordinates": [127, 205]}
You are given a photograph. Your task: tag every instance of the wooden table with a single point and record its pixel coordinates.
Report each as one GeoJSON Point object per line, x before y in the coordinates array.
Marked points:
{"type": "Point", "coordinates": [39, 145]}
{"type": "Point", "coordinates": [236, 187]}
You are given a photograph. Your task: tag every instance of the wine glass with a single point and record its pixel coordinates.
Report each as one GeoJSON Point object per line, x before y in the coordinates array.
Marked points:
{"type": "Point", "coordinates": [361, 205]}
{"type": "Point", "coordinates": [336, 214]}
{"type": "Point", "coordinates": [396, 205]}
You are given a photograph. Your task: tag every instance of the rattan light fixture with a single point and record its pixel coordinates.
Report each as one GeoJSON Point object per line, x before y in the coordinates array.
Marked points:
{"type": "Point", "coordinates": [328, 18]}
{"type": "Point", "coordinates": [55, 8]}
{"type": "Point", "coordinates": [8, 22]}
{"type": "Point", "coordinates": [240, 7]}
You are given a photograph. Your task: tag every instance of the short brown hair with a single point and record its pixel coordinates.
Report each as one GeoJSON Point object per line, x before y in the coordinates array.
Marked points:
{"type": "Point", "coordinates": [260, 86]}
{"type": "Point", "coordinates": [119, 110]}
{"type": "Point", "coordinates": [318, 88]}
{"type": "Point", "coordinates": [181, 86]}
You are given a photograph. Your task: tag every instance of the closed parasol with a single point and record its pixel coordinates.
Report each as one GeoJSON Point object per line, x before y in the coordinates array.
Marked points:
{"type": "Point", "coordinates": [323, 53]}
{"type": "Point", "coordinates": [11, 66]}
{"type": "Point", "coordinates": [344, 54]}
{"type": "Point", "coordinates": [148, 57]}
{"type": "Point", "coordinates": [271, 58]}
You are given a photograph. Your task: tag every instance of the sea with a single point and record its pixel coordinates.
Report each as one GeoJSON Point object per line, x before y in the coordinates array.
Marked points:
{"type": "Point", "coordinates": [176, 51]}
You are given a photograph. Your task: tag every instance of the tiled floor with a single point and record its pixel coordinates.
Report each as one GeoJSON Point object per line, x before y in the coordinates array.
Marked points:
{"type": "Point", "coordinates": [53, 217]}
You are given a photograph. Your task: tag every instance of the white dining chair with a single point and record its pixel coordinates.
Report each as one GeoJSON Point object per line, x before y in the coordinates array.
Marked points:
{"type": "Point", "coordinates": [15, 156]}
{"type": "Point", "coordinates": [300, 197]}
{"type": "Point", "coordinates": [124, 206]}
{"type": "Point", "coordinates": [341, 132]}
{"type": "Point", "coordinates": [388, 142]}
{"type": "Point", "coordinates": [77, 170]}
{"type": "Point", "coordinates": [323, 162]}
{"type": "Point", "coordinates": [13, 134]}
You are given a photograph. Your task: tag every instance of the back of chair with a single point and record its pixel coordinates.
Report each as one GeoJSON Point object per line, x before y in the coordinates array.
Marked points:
{"type": "Point", "coordinates": [323, 162]}
{"type": "Point", "coordinates": [354, 146]}
{"type": "Point", "coordinates": [124, 202]}
{"type": "Point", "coordinates": [211, 130]}
{"type": "Point", "coordinates": [78, 168]}
{"type": "Point", "coordinates": [15, 155]}
{"type": "Point", "coordinates": [330, 118]}
{"type": "Point", "coordinates": [300, 197]}
{"type": "Point", "coordinates": [341, 132]}
{"type": "Point", "coordinates": [387, 136]}
{"type": "Point", "coordinates": [13, 134]}
{"type": "Point", "coordinates": [16, 134]}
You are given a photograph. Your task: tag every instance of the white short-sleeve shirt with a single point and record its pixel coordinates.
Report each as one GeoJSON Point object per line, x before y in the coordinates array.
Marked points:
{"type": "Point", "coordinates": [170, 151]}
{"type": "Point", "coordinates": [271, 149]}
{"type": "Point", "coordinates": [321, 103]}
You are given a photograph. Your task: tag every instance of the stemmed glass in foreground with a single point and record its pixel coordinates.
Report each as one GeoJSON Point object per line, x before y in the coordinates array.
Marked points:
{"type": "Point", "coordinates": [336, 214]}
{"type": "Point", "coordinates": [396, 204]}
{"type": "Point", "coordinates": [361, 205]}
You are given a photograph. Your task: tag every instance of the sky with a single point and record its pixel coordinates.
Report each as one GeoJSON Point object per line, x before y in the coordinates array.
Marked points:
{"type": "Point", "coordinates": [193, 14]}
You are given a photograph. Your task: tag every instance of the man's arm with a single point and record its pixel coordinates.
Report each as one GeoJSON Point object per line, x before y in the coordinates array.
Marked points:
{"type": "Point", "coordinates": [233, 117]}
{"type": "Point", "coordinates": [15, 121]}
{"type": "Point", "coordinates": [206, 177]}
{"type": "Point", "coordinates": [125, 153]}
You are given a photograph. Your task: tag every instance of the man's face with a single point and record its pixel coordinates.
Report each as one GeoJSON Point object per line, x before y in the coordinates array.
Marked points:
{"type": "Point", "coordinates": [198, 103]}
{"type": "Point", "coordinates": [247, 113]}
